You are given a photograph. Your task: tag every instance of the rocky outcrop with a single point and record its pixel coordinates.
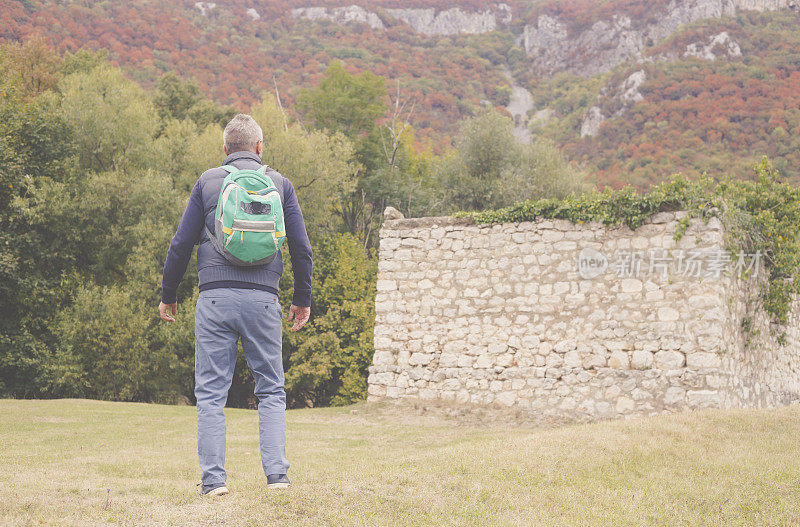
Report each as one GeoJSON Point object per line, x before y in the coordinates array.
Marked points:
{"type": "Point", "coordinates": [520, 103]}
{"type": "Point", "coordinates": [205, 7]}
{"type": "Point", "coordinates": [717, 45]}
{"type": "Point", "coordinates": [592, 122]}
{"type": "Point", "coordinates": [618, 98]}
{"type": "Point", "coordinates": [623, 96]}
{"type": "Point", "coordinates": [451, 21]}
{"type": "Point", "coordinates": [392, 213]}
{"type": "Point", "coordinates": [607, 43]}
{"type": "Point", "coordinates": [340, 15]}
{"type": "Point", "coordinates": [542, 117]}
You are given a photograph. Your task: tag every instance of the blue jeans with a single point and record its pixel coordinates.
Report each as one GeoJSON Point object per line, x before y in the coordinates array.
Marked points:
{"type": "Point", "coordinates": [222, 317]}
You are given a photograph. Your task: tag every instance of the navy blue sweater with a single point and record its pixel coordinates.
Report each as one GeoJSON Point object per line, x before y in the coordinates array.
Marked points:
{"type": "Point", "coordinates": [190, 232]}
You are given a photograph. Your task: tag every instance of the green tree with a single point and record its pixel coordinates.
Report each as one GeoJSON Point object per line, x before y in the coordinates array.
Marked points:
{"type": "Point", "coordinates": [111, 343]}
{"type": "Point", "coordinates": [94, 181]}
{"type": "Point", "coordinates": [491, 168]}
{"type": "Point", "coordinates": [328, 362]}
{"type": "Point", "coordinates": [405, 180]}
{"type": "Point", "coordinates": [108, 348]}
{"type": "Point", "coordinates": [180, 99]}
{"type": "Point", "coordinates": [83, 61]}
{"type": "Point", "coordinates": [352, 104]}
{"type": "Point", "coordinates": [541, 171]}
{"type": "Point", "coordinates": [36, 152]}
{"type": "Point", "coordinates": [344, 102]}
{"type": "Point", "coordinates": [486, 144]}
{"type": "Point", "coordinates": [112, 117]}
{"type": "Point", "coordinates": [183, 151]}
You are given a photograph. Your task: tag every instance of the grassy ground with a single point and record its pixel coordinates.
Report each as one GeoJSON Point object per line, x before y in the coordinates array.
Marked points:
{"type": "Point", "coordinates": [88, 462]}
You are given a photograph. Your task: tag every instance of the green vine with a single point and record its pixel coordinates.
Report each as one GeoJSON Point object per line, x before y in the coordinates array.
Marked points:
{"type": "Point", "coordinates": [614, 207]}
{"type": "Point", "coordinates": [760, 215]}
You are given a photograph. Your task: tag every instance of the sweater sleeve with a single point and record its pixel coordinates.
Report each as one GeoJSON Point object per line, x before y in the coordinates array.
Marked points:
{"type": "Point", "coordinates": [299, 246]}
{"type": "Point", "coordinates": [180, 249]}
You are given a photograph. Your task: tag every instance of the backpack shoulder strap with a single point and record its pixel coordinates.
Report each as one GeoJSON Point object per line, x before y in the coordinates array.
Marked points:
{"type": "Point", "coordinates": [264, 170]}
{"type": "Point", "coordinates": [230, 169]}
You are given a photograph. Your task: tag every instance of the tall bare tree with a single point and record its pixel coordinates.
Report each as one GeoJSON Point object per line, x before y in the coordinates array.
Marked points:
{"type": "Point", "coordinates": [396, 125]}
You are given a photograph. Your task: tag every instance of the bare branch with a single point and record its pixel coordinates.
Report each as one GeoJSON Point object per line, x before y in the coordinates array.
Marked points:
{"type": "Point", "coordinates": [280, 106]}
{"type": "Point", "coordinates": [306, 185]}
{"type": "Point", "coordinates": [397, 124]}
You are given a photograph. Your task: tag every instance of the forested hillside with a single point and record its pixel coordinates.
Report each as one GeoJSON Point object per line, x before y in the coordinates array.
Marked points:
{"type": "Point", "coordinates": [718, 88]}
{"type": "Point", "coordinates": [716, 108]}
{"type": "Point", "coordinates": [737, 98]}
{"type": "Point", "coordinates": [235, 58]}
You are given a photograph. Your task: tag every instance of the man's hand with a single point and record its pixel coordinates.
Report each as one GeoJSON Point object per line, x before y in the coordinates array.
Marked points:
{"type": "Point", "coordinates": [164, 309]}
{"type": "Point", "coordinates": [300, 316]}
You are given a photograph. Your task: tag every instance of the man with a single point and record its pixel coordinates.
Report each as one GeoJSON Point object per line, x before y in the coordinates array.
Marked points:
{"type": "Point", "coordinates": [238, 303]}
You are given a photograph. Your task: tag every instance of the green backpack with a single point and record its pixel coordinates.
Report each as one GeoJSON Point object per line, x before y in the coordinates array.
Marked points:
{"type": "Point", "coordinates": [248, 222]}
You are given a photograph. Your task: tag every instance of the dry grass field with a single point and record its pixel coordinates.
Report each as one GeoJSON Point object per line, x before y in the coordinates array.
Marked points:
{"type": "Point", "coordinates": [77, 462]}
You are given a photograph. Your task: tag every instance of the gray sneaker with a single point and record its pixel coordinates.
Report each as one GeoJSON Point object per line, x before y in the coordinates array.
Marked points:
{"type": "Point", "coordinates": [215, 489]}
{"type": "Point", "coordinates": [278, 481]}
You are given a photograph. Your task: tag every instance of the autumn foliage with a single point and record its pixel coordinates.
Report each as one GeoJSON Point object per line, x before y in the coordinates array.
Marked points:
{"type": "Point", "coordinates": [697, 115]}
{"type": "Point", "coordinates": [235, 59]}
{"type": "Point", "coordinates": [709, 116]}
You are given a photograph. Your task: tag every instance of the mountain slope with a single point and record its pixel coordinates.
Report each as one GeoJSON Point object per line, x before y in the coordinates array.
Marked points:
{"type": "Point", "coordinates": [634, 89]}
{"type": "Point", "coordinates": [235, 57]}
{"type": "Point", "coordinates": [714, 96]}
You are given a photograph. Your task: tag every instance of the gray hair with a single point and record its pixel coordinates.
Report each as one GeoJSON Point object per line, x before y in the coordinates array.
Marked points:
{"type": "Point", "coordinates": [242, 133]}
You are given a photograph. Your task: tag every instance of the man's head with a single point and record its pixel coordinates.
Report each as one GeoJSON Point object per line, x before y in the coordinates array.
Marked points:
{"type": "Point", "coordinates": [242, 133]}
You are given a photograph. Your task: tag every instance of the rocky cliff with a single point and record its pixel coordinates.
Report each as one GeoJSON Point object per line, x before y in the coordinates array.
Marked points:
{"type": "Point", "coordinates": [550, 42]}
{"type": "Point", "coordinates": [607, 43]}
{"type": "Point", "coordinates": [453, 21]}
{"type": "Point", "coordinates": [620, 98]}
{"type": "Point", "coordinates": [340, 15]}
{"type": "Point", "coordinates": [429, 21]}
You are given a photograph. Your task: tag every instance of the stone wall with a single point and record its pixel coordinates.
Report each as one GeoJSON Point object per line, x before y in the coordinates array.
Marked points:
{"type": "Point", "coordinates": [575, 321]}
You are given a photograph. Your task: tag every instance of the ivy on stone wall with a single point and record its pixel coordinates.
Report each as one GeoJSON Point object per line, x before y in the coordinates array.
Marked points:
{"type": "Point", "coordinates": [761, 214]}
